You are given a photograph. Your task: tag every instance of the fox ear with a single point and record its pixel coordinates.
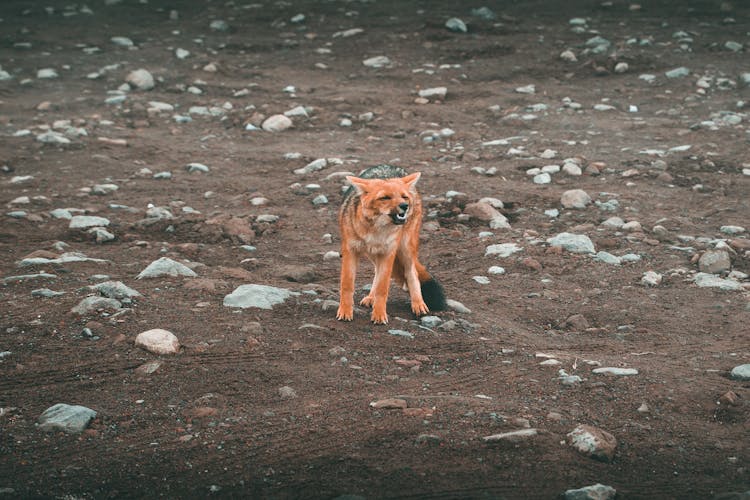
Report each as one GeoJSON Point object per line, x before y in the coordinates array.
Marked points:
{"type": "Point", "coordinates": [411, 180]}
{"type": "Point", "coordinates": [360, 185]}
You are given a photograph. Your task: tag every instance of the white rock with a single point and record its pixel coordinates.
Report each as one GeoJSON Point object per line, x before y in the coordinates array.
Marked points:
{"type": "Point", "coordinates": [52, 137]}
{"type": "Point", "coordinates": [732, 229]}
{"type": "Point", "coordinates": [595, 492]}
{"type": "Point", "coordinates": [456, 24]}
{"type": "Point", "coordinates": [569, 56]}
{"type": "Point", "coordinates": [46, 73]}
{"type": "Point", "coordinates": [181, 53]}
{"type": "Point", "coordinates": [165, 267]}
{"type": "Point", "coordinates": [572, 169]}
{"type": "Point", "coordinates": [610, 370]}
{"type": "Point", "coordinates": [313, 166]}
{"type": "Point", "coordinates": [651, 278]}
{"type": "Point", "coordinates": [741, 372]}
{"type": "Point", "coordinates": [140, 79]}
{"type": "Point", "coordinates": [277, 123]}
{"type": "Point", "coordinates": [257, 296]}
{"type": "Point", "coordinates": [526, 89]}
{"type": "Point", "coordinates": [542, 178]}
{"type": "Point", "coordinates": [502, 250]}
{"type": "Point", "coordinates": [122, 41]}
{"type": "Point", "coordinates": [377, 62]}
{"type": "Point", "coordinates": [496, 270]}
{"type": "Point", "coordinates": [158, 341]}
{"type": "Point", "coordinates": [439, 92]}
{"type": "Point", "coordinates": [705, 280]}
{"type": "Point", "coordinates": [297, 111]}
{"type": "Point", "coordinates": [511, 436]}
{"type": "Point", "coordinates": [575, 198]}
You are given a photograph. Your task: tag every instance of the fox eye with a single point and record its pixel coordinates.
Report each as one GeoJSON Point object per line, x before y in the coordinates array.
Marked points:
{"type": "Point", "coordinates": [384, 198]}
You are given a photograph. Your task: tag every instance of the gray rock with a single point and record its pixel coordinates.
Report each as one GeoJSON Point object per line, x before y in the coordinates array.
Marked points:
{"type": "Point", "coordinates": [72, 419]}
{"type": "Point", "coordinates": [456, 306]}
{"type": "Point", "coordinates": [594, 492]}
{"type": "Point", "coordinates": [122, 41]}
{"type": "Point", "coordinates": [705, 280]}
{"type": "Point", "coordinates": [439, 92]}
{"type": "Point", "coordinates": [166, 267]}
{"type": "Point", "coordinates": [456, 24]}
{"type": "Point", "coordinates": [46, 293]}
{"type": "Point", "coordinates": [715, 262]}
{"type": "Point", "coordinates": [430, 321]}
{"type": "Point", "coordinates": [401, 333]}
{"type": "Point", "coordinates": [576, 243]}
{"type": "Point", "coordinates": [61, 213]}
{"type": "Point", "coordinates": [313, 166]}
{"type": "Point", "coordinates": [90, 305]}
{"type": "Point", "coordinates": [607, 258]}
{"type": "Point", "coordinates": [46, 73]}
{"type": "Point", "coordinates": [65, 258]}
{"type": "Point", "coordinates": [115, 290]}
{"type": "Point", "coordinates": [219, 25]}
{"type": "Point", "coordinates": [101, 235]}
{"type": "Point", "coordinates": [52, 137]}
{"type": "Point", "coordinates": [140, 79]}
{"type": "Point", "coordinates": [28, 277]}
{"type": "Point", "coordinates": [158, 341]}
{"type": "Point", "coordinates": [732, 229]}
{"type": "Point", "coordinates": [542, 178]}
{"type": "Point", "coordinates": [620, 372]}
{"type": "Point", "coordinates": [741, 372]}
{"type": "Point", "coordinates": [257, 296]}
{"type": "Point", "coordinates": [680, 72]}
{"type": "Point", "coordinates": [287, 392]}
{"type": "Point", "coordinates": [575, 198]}
{"type": "Point", "coordinates": [87, 221]}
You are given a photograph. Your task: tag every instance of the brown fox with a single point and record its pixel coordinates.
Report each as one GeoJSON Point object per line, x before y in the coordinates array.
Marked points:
{"type": "Point", "coordinates": [380, 219]}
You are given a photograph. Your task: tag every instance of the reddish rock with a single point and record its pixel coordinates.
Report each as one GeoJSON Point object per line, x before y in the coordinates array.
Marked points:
{"type": "Point", "coordinates": [389, 404]}
{"type": "Point", "coordinates": [531, 263]}
{"type": "Point", "coordinates": [594, 442]}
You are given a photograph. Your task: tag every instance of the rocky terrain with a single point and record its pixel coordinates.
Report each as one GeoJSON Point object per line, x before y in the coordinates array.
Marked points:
{"type": "Point", "coordinates": [171, 173]}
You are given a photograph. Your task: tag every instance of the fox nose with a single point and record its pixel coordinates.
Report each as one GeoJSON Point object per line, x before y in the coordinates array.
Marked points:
{"type": "Point", "coordinates": [403, 207]}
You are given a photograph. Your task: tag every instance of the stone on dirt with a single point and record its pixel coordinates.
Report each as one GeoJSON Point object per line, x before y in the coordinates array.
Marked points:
{"type": "Point", "coordinates": [115, 290]}
{"type": "Point", "coordinates": [502, 250]}
{"type": "Point", "coordinates": [575, 243]}
{"type": "Point", "coordinates": [511, 437]}
{"type": "Point", "coordinates": [715, 262]}
{"type": "Point", "coordinates": [389, 404]}
{"type": "Point", "coordinates": [613, 370]}
{"type": "Point", "coordinates": [141, 79]}
{"type": "Point", "coordinates": [277, 123]}
{"type": "Point", "coordinates": [575, 198]}
{"type": "Point", "coordinates": [741, 372]}
{"type": "Point", "coordinates": [594, 442]}
{"type": "Point", "coordinates": [651, 278]}
{"type": "Point", "coordinates": [90, 305]}
{"type": "Point", "coordinates": [158, 341]}
{"type": "Point", "coordinates": [87, 221]}
{"type": "Point", "coordinates": [595, 492]}
{"type": "Point", "coordinates": [166, 267]}
{"type": "Point", "coordinates": [257, 296]}
{"type": "Point", "coordinates": [705, 280]}
{"type": "Point", "coordinates": [72, 419]}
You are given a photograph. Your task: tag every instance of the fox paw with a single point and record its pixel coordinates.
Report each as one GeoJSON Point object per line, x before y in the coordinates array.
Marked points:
{"type": "Point", "coordinates": [419, 308]}
{"type": "Point", "coordinates": [345, 314]}
{"type": "Point", "coordinates": [367, 301]}
{"type": "Point", "coordinates": [379, 319]}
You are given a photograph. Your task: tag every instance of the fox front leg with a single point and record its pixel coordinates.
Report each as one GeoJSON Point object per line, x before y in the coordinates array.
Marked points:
{"type": "Point", "coordinates": [349, 262]}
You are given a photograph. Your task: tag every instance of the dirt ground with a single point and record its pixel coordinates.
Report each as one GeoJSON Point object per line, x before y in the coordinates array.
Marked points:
{"type": "Point", "coordinates": [215, 419]}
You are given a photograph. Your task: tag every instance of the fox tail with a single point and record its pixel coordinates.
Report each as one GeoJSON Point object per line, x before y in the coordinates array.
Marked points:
{"type": "Point", "coordinates": [432, 291]}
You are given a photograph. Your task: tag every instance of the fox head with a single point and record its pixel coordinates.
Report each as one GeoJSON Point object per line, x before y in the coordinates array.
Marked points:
{"type": "Point", "coordinates": [386, 201]}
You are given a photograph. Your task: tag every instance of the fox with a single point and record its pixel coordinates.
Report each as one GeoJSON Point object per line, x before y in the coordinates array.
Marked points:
{"type": "Point", "coordinates": [380, 218]}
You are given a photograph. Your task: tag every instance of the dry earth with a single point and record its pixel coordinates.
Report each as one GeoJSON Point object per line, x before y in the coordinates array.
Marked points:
{"type": "Point", "coordinates": [276, 403]}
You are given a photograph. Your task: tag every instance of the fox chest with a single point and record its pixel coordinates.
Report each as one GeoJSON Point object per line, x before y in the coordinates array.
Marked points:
{"type": "Point", "coordinates": [378, 243]}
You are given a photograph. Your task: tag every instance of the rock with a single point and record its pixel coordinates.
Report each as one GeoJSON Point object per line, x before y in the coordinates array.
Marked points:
{"type": "Point", "coordinates": [620, 372]}
{"type": "Point", "coordinates": [257, 296]}
{"type": "Point", "coordinates": [100, 234]}
{"type": "Point", "coordinates": [72, 419]}
{"type": "Point", "coordinates": [298, 274]}
{"type": "Point", "coordinates": [158, 341]}
{"type": "Point", "coordinates": [46, 73]}
{"type": "Point", "coordinates": [577, 322]}
{"type": "Point", "coordinates": [456, 306]}
{"type": "Point", "coordinates": [733, 230]}
{"type": "Point", "coordinates": [87, 221]}
{"type": "Point", "coordinates": [594, 442]}
{"type": "Point", "coordinates": [680, 72]}
{"type": "Point", "coordinates": [705, 280]}
{"type": "Point", "coordinates": [401, 333]}
{"type": "Point", "coordinates": [46, 293]}
{"type": "Point", "coordinates": [115, 290]}
{"type": "Point", "coordinates": [482, 211]}
{"type": "Point", "coordinates": [287, 392]}
{"type": "Point", "coordinates": [197, 167]}
{"type": "Point", "coordinates": [568, 56]}
{"type": "Point", "coordinates": [595, 492]}
{"type": "Point", "coordinates": [438, 92]}
{"type": "Point", "coordinates": [430, 321]}
{"type": "Point", "coordinates": [741, 372]}
{"type": "Point", "coordinates": [52, 137]}
{"type": "Point", "coordinates": [576, 243]}
{"type": "Point", "coordinates": [526, 89]}
{"type": "Point", "coordinates": [90, 305]}
{"type": "Point", "coordinates": [149, 367]}
{"type": "Point", "coordinates": [456, 24]}
{"type": "Point", "coordinates": [166, 267]}
{"type": "Point", "coordinates": [122, 41]}
{"type": "Point", "coordinates": [607, 258]}
{"type": "Point", "coordinates": [140, 79]}
{"type": "Point", "coordinates": [575, 198]}
{"type": "Point", "coordinates": [542, 178]}
{"type": "Point", "coordinates": [512, 436]}
{"type": "Point", "coordinates": [377, 62]}
{"type": "Point", "coordinates": [651, 278]}
{"type": "Point", "coordinates": [715, 262]}
{"type": "Point", "coordinates": [389, 404]}
{"type": "Point", "coordinates": [313, 166]}
{"type": "Point", "coordinates": [502, 250]}
{"type": "Point", "coordinates": [276, 123]}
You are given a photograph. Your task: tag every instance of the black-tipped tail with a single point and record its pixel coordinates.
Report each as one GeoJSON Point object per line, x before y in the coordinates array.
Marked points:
{"type": "Point", "coordinates": [434, 295]}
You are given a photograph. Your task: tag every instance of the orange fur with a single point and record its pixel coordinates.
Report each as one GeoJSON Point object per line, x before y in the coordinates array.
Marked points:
{"type": "Point", "coordinates": [374, 223]}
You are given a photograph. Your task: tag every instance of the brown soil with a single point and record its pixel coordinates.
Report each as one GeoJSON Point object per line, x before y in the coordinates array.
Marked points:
{"type": "Point", "coordinates": [211, 420]}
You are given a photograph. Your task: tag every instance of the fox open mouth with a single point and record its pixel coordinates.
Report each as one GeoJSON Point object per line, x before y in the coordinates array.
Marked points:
{"type": "Point", "coordinates": [398, 218]}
